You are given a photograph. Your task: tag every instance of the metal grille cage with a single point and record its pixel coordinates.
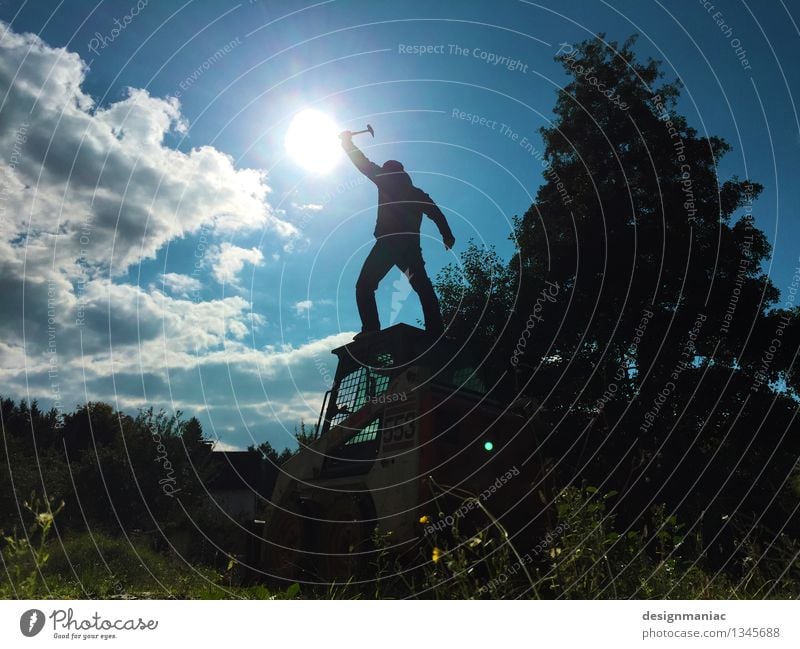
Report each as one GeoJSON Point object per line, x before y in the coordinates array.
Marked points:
{"type": "Point", "coordinates": [358, 388]}
{"type": "Point", "coordinates": [368, 434]}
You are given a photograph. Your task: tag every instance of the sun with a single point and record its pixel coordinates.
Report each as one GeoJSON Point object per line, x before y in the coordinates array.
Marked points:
{"type": "Point", "coordinates": [312, 141]}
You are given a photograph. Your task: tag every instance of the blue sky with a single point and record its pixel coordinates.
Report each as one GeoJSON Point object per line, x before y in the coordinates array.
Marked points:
{"type": "Point", "coordinates": [216, 273]}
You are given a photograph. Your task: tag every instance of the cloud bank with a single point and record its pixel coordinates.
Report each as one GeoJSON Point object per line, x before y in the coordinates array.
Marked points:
{"type": "Point", "coordinates": [87, 193]}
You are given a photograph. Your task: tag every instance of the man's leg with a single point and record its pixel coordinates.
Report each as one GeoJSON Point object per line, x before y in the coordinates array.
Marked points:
{"type": "Point", "coordinates": [378, 262]}
{"type": "Point", "coordinates": [421, 283]}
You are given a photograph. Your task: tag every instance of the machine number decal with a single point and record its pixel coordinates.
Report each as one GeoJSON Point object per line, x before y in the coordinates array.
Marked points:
{"type": "Point", "coordinates": [399, 430]}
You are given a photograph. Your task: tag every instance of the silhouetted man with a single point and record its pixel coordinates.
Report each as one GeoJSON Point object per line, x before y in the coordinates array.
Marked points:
{"type": "Point", "coordinates": [400, 210]}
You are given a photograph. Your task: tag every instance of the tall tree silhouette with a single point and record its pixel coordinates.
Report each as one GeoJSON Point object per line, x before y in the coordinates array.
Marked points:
{"type": "Point", "coordinates": [649, 353]}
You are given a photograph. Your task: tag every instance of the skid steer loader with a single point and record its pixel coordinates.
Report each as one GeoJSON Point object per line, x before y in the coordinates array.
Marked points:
{"type": "Point", "coordinates": [407, 426]}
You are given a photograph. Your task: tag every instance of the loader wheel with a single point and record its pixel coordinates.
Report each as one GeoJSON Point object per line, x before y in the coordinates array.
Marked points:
{"type": "Point", "coordinates": [344, 544]}
{"type": "Point", "coordinates": [287, 551]}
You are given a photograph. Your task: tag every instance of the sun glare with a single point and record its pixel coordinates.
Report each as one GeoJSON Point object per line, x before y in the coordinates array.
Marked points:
{"type": "Point", "coordinates": [312, 141]}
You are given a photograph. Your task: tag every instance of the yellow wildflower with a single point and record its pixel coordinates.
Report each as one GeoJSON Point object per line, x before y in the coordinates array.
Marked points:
{"type": "Point", "coordinates": [45, 518]}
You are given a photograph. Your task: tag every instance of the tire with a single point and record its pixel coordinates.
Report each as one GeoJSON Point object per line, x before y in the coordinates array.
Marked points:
{"type": "Point", "coordinates": [345, 541]}
{"type": "Point", "coordinates": [288, 543]}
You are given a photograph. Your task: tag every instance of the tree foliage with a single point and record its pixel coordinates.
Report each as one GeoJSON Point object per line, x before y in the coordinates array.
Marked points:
{"type": "Point", "coordinates": [114, 471]}
{"type": "Point", "coordinates": [651, 361]}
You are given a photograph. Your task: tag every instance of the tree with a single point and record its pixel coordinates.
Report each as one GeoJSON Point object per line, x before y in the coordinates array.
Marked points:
{"type": "Point", "coordinates": [304, 436]}
{"type": "Point", "coordinates": [649, 356]}
{"type": "Point", "coordinates": [269, 454]}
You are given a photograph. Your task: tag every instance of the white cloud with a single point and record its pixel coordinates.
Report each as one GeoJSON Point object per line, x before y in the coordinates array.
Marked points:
{"type": "Point", "coordinates": [101, 184]}
{"type": "Point", "coordinates": [224, 446]}
{"type": "Point", "coordinates": [181, 285]}
{"type": "Point", "coordinates": [302, 307]}
{"type": "Point", "coordinates": [123, 330]}
{"type": "Point", "coordinates": [307, 207]}
{"type": "Point", "coordinates": [90, 193]}
{"type": "Point", "coordinates": [228, 261]}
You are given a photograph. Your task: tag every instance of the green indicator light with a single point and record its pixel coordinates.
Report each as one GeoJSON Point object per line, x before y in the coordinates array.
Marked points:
{"type": "Point", "coordinates": [489, 446]}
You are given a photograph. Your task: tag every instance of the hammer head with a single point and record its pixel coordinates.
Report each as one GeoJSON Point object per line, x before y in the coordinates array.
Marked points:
{"type": "Point", "coordinates": [371, 131]}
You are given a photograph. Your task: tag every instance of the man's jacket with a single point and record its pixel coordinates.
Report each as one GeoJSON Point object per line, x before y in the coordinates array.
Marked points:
{"type": "Point", "coordinates": [400, 204]}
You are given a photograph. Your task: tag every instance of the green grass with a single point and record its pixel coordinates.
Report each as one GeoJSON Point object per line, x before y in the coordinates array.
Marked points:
{"type": "Point", "coordinates": [582, 557]}
{"type": "Point", "coordinates": [97, 566]}
{"type": "Point", "coordinates": [38, 564]}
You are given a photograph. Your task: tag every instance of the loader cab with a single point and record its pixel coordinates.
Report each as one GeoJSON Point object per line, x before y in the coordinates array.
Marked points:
{"type": "Point", "coordinates": [366, 368]}
{"type": "Point", "coordinates": [364, 374]}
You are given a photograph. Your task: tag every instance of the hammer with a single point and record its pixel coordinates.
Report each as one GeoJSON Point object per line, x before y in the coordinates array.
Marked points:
{"type": "Point", "coordinates": [369, 130]}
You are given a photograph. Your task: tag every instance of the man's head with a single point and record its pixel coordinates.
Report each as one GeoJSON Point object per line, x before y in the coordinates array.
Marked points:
{"type": "Point", "coordinates": [395, 173]}
{"type": "Point", "coordinates": [391, 166]}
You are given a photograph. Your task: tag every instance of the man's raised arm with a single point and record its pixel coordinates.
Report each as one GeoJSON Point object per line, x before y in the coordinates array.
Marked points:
{"type": "Point", "coordinates": [362, 163]}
